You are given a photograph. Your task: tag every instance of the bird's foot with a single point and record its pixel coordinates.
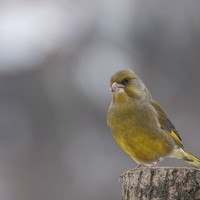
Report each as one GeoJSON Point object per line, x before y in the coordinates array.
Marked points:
{"type": "Point", "coordinates": [156, 164]}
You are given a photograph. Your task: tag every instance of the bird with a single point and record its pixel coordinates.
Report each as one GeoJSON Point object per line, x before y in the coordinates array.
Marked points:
{"type": "Point", "coordinates": [140, 126]}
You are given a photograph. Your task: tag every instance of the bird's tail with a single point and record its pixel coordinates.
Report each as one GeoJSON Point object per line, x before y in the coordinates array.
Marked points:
{"type": "Point", "coordinates": [193, 160]}
{"type": "Point", "coordinates": [186, 156]}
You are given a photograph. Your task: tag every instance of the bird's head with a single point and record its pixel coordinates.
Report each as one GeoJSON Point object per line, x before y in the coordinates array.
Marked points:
{"type": "Point", "coordinates": [125, 83]}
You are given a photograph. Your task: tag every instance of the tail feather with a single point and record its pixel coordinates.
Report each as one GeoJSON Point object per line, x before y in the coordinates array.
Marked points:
{"type": "Point", "coordinates": [186, 156]}
{"type": "Point", "coordinates": [195, 161]}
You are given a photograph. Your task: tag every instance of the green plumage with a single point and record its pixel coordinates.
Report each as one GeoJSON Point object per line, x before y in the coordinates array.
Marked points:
{"type": "Point", "coordinates": [139, 124]}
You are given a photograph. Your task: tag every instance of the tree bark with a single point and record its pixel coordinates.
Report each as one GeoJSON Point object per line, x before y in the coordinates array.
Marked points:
{"type": "Point", "coordinates": [161, 184]}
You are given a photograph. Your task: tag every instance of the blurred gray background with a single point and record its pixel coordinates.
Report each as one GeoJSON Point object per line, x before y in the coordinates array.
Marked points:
{"type": "Point", "coordinates": [56, 59]}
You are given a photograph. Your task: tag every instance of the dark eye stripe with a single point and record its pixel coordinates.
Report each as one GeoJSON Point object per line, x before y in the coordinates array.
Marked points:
{"type": "Point", "coordinates": [125, 81]}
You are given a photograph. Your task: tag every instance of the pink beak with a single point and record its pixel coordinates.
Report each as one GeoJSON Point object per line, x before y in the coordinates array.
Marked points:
{"type": "Point", "coordinates": [117, 88]}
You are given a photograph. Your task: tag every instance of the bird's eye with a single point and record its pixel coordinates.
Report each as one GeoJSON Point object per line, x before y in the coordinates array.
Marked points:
{"type": "Point", "coordinates": [125, 81]}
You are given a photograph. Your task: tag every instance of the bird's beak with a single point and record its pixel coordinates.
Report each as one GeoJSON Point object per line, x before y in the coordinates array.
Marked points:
{"type": "Point", "coordinates": [117, 88]}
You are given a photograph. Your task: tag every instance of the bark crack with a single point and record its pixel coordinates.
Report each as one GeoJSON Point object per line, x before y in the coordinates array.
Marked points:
{"type": "Point", "coordinates": [162, 184]}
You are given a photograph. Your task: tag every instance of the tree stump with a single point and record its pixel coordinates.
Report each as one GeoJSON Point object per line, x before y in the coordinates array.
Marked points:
{"type": "Point", "coordinates": [161, 184]}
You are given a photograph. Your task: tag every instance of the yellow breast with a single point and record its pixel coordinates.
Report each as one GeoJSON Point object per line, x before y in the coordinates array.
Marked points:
{"type": "Point", "coordinates": [138, 135]}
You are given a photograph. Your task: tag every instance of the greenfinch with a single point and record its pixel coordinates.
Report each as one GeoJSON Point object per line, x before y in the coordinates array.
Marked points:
{"type": "Point", "coordinates": [140, 126]}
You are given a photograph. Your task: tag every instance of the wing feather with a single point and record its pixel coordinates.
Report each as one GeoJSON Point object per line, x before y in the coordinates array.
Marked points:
{"type": "Point", "coordinates": [166, 124]}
